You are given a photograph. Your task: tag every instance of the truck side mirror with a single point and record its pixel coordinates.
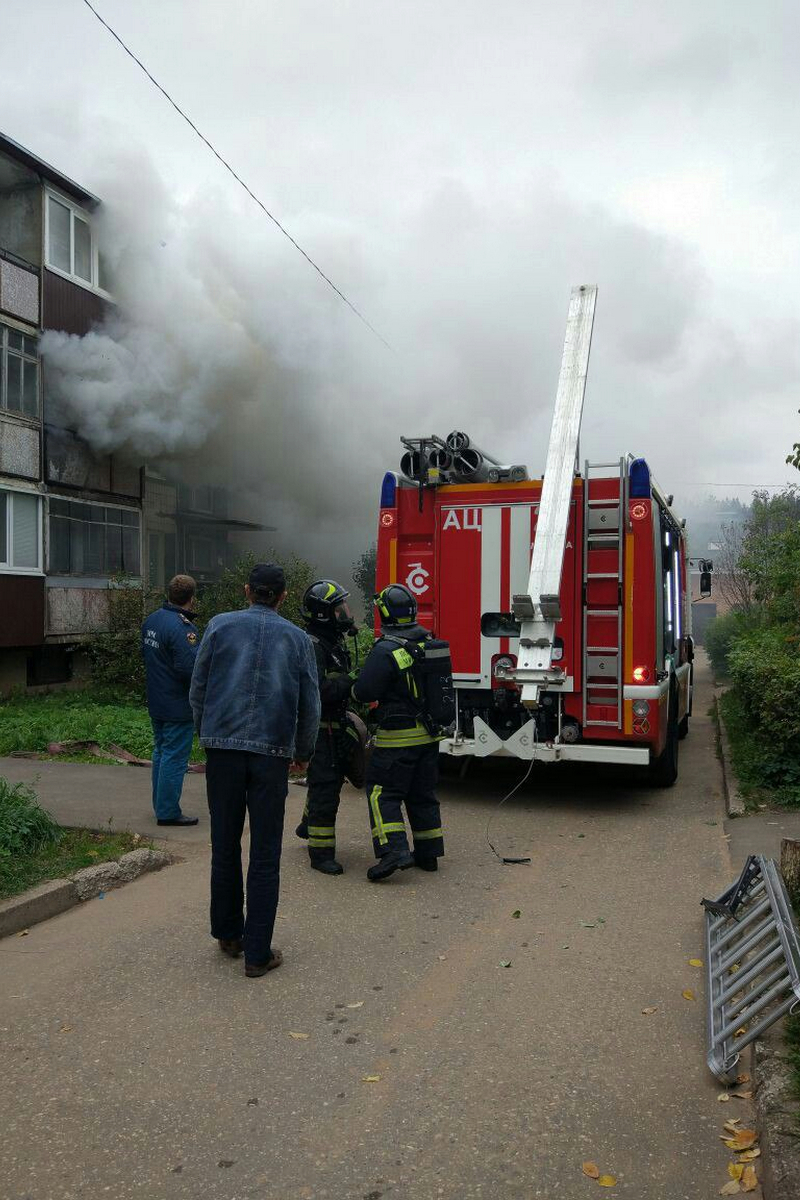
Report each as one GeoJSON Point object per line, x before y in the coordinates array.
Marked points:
{"type": "Point", "coordinates": [705, 584]}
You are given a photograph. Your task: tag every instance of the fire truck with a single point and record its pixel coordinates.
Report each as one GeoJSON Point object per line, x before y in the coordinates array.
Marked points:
{"type": "Point", "coordinates": [565, 600]}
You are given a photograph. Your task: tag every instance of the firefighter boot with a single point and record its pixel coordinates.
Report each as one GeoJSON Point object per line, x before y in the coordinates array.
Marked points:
{"type": "Point", "coordinates": [302, 829]}
{"type": "Point", "coordinates": [324, 861]}
{"type": "Point", "coordinates": [395, 860]}
{"type": "Point", "coordinates": [426, 862]}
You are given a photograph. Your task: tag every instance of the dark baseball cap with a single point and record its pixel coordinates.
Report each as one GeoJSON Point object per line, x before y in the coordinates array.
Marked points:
{"type": "Point", "coordinates": [269, 577]}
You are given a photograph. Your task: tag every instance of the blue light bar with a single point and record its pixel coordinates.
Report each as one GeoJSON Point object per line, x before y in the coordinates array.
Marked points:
{"type": "Point", "coordinates": [640, 480]}
{"type": "Point", "coordinates": [389, 490]}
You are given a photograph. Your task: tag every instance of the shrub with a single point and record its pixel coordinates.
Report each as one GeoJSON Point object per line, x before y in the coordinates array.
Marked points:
{"type": "Point", "coordinates": [765, 668]}
{"type": "Point", "coordinates": [24, 826]}
{"type": "Point", "coordinates": [722, 634]}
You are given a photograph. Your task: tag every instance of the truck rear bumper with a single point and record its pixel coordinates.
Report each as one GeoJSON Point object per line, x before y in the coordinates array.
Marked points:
{"type": "Point", "coordinates": [521, 745]}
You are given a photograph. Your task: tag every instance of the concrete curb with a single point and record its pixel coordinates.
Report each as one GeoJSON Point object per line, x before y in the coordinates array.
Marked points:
{"type": "Point", "coordinates": [734, 802]}
{"type": "Point", "coordinates": [57, 895]}
{"type": "Point", "coordinates": [777, 1116]}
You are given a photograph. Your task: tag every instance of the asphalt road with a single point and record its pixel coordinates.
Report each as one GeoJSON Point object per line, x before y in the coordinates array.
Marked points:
{"type": "Point", "coordinates": [137, 1061]}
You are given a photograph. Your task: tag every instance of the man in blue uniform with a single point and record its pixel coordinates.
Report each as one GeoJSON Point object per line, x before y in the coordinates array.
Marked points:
{"type": "Point", "coordinates": [169, 647]}
{"type": "Point", "coordinates": [404, 765]}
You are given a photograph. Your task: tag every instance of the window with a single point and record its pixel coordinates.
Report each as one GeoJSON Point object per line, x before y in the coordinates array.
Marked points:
{"type": "Point", "coordinates": [70, 245]}
{"type": "Point", "coordinates": [19, 532]}
{"type": "Point", "coordinates": [19, 372]}
{"type": "Point", "coordinates": [90, 539]}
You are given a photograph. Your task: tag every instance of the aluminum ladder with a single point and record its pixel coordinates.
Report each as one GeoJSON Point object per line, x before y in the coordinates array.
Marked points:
{"type": "Point", "coordinates": [752, 962]}
{"type": "Point", "coordinates": [539, 609]}
{"type": "Point", "coordinates": [603, 531]}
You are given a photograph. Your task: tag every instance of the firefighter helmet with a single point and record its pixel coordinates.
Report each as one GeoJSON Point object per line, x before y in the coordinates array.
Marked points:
{"type": "Point", "coordinates": [321, 600]}
{"type": "Point", "coordinates": [396, 605]}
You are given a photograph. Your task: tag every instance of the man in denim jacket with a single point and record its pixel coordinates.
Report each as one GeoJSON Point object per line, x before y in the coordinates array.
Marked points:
{"type": "Point", "coordinates": [255, 700]}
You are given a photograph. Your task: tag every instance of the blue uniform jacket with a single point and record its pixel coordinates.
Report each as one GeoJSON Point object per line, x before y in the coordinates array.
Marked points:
{"type": "Point", "coordinates": [169, 648]}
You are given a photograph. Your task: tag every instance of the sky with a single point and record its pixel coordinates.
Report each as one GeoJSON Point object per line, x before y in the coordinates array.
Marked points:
{"type": "Point", "coordinates": [455, 168]}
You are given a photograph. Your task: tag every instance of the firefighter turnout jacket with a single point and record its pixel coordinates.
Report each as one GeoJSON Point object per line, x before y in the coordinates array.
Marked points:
{"type": "Point", "coordinates": [387, 678]}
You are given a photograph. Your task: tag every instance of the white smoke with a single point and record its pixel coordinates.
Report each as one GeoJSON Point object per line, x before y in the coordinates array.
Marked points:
{"type": "Point", "coordinates": [226, 358]}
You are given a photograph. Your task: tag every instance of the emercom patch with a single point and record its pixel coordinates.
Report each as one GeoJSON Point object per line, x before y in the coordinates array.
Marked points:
{"type": "Point", "coordinates": [403, 659]}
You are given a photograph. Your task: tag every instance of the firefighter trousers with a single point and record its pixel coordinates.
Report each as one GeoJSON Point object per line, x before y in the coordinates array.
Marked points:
{"type": "Point", "coordinates": [407, 776]}
{"type": "Point", "coordinates": [325, 778]}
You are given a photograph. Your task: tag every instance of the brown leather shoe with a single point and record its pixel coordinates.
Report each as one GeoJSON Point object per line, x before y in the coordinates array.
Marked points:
{"type": "Point", "coordinates": [253, 971]}
{"type": "Point", "coordinates": [230, 946]}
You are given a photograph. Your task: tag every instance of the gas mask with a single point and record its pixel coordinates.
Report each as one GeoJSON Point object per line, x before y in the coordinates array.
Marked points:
{"type": "Point", "coordinates": [343, 620]}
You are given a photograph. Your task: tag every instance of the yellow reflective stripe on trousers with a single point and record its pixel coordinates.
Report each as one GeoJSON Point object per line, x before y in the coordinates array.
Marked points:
{"type": "Point", "coordinates": [421, 834]}
{"type": "Point", "coordinates": [320, 843]}
{"type": "Point", "coordinates": [379, 831]}
{"type": "Point", "coordinates": [390, 827]}
{"type": "Point", "coordinates": [322, 830]}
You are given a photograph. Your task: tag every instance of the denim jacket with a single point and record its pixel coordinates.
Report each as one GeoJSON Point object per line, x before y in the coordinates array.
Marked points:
{"type": "Point", "coordinates": [254, 685]}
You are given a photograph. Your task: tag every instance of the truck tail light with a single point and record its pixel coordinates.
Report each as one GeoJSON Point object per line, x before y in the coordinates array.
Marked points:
{"type": "Point", "coordinates": [641, 674]}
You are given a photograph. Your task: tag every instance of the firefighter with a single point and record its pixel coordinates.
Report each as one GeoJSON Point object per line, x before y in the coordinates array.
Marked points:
{"type": "Point", "coordinates": [328, 620]}
{"type": "Point", "coordinates": [404, 765]}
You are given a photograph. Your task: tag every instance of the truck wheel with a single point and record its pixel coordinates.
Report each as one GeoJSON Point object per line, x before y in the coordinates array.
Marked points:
{"type": "Point", "coordinates": [663, 770]}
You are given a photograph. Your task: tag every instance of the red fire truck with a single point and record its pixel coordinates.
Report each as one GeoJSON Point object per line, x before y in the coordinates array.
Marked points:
{"type": "Point", "coordinates": [565, 600]}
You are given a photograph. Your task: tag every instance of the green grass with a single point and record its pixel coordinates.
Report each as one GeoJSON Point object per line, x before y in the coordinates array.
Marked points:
{"type": "Point", "coordinates": [28, 723]}
{"type": "Point", "coordinates": [76, 848]}
{"type": "Point", "coordinates": [764, 775]}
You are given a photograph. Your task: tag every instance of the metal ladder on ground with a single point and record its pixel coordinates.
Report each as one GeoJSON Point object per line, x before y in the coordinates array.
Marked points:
{"type": "Point", "coordinates": [752, 962]}
{"type": "Point", "coordinates": [603, 530]}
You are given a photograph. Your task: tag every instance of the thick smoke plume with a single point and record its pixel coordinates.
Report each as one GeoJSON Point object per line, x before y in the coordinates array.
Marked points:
{"type": "Point", "coordinates": [226, 359]}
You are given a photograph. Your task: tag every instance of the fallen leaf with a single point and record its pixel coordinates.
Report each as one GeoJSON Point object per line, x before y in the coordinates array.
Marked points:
{"type": "Point", "coordinates": [442, 958]}
{"type": "Point", "coordinates": [23, 933]}
{"type": "Point", "coordinates": [593, 1171]}
{"type": "Point", "coordinates": [743, 1095]}
{"type": "Point", "coordinates": [587, 925]}
{"type": "Point", "coordinates": [65, 1029]}
{"type": "Point", "coordinates": [688, 994]}
{"type": "Point", "coordinates": [735, 1170]}
{"type": "Point", "coordinates": [748, 1155]}
{"type": "Point", "coordinates": [744, 1139]}
{"type": "Point", "coordinates": [607, 1181]}
{"type": "Point", "coordinates": [504, 962]}
{"type": "Point", "coordinates": [749, 1180]}
{"type": "Point", "coordinates": [724, 1097]}
{"type": "Point", "coordinates": [370, 1079]}
{"type": "Point", "coordinates": [695, 962]}
{"type": "Point", "coordinates": [648, 1012]}
{"type": "Point", "coordinates": [732, 970]}
{"type": "Point", "coordinates": [730, 1189]}
{"type": "Point", "coordinates": [358, 1004]}
{"type": "Point", "coordinates": [743, 1078]}
{"type": "Point", "coordinates": [740, 1032]}
{"type": "Point", "coordinates": [299, 1037]}
{"type": "Point", "coordinates": [516, 913]}
{"type": "Point", "coordinates": [731, 1125]}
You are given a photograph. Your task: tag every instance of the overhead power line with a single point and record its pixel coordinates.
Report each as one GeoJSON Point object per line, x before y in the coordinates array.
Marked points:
{"type": "Point", "coordinates": [238, 178]}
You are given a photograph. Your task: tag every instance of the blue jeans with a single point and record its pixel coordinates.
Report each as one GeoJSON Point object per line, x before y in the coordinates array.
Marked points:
{"type": "Point", "coordinates": [172, 745]}
{"type": "Point", "coordinates": [238, 781]}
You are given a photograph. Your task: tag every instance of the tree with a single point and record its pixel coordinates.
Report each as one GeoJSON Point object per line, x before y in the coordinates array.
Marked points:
{"type": "Point", "coordinates": [364, 577]}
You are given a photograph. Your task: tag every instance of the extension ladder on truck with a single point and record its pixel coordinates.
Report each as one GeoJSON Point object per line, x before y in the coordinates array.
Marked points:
{"type": "Point", "coordinates": [539, 609]}
{"type": "Point", "coordinates": [605, 505]}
